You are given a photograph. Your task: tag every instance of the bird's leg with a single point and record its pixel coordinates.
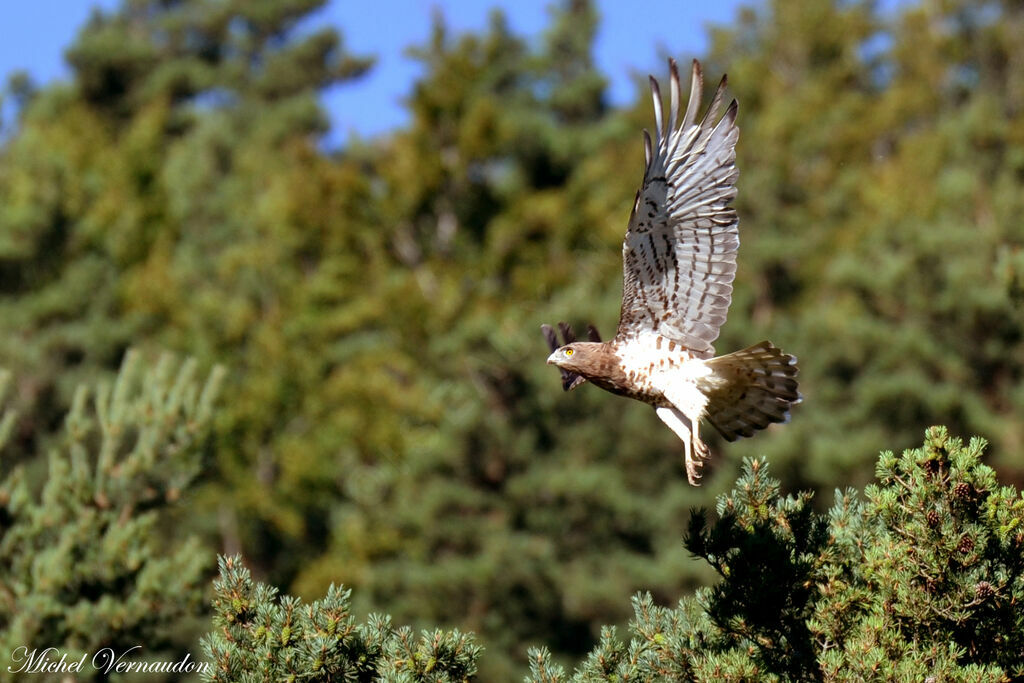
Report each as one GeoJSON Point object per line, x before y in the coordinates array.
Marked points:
{"type": "Point", "coordinates": [695, 450]}
{"type": "Point", "coordinates": [695, 457]}
{"type": "Point", "coordinates": [691, 473]}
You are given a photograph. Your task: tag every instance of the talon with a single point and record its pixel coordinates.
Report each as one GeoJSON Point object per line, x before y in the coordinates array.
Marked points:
{"type": "Point", "coordinates": [697, 453]}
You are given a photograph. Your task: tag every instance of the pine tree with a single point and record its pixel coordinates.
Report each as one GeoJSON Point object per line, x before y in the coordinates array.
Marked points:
{"type": "Point", "coordinates": [922, 579]}
{"type": "Point", "coordinates": [173, 196]}
{"type": "Point", "coordinates": [86, 562]}
{"type": "Point", "coordinates": [261, 636]}
{"type": "Point", "coordinates": [879, 153]}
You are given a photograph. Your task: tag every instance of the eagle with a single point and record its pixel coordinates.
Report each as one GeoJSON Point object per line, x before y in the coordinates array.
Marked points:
{"type": "Point", "coordinates": [678, 263]}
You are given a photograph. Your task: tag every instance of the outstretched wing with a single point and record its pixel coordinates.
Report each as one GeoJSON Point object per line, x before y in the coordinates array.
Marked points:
{"type": "Point", "coordinates": [679, 255]}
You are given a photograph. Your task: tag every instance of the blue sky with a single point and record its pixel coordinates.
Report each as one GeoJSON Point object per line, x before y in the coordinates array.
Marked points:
{"type": "Point", "coordinates": [632, 36]}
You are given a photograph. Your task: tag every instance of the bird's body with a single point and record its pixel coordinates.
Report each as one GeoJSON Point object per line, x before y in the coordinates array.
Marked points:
{"type": "Point", "coordinates": [643, 368]}
{"type": "Point", "coordinates": [679, 261]}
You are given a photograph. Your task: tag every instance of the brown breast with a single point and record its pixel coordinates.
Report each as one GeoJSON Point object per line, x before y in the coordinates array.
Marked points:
{"type": "Point", "coordinates": [611, 375]}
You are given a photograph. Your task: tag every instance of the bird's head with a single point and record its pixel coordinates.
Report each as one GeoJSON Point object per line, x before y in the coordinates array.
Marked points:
{"type": "Point", "coordinates": [574, 357]}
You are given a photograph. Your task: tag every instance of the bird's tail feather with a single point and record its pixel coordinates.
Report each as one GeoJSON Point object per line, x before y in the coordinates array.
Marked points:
{"type": "Point", "coordinates": [750, 389]}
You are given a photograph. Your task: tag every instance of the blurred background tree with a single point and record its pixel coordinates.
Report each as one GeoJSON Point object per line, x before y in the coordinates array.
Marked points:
{"type": "Point", "coordinates": [392, 425]}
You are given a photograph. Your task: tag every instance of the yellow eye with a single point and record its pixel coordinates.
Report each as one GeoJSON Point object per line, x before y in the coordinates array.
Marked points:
{"type": "Point", "coordinates": [569, 352]}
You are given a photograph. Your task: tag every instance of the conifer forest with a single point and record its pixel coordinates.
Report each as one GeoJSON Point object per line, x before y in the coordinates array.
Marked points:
{"type": "Point", "coordinates": [281, 408]}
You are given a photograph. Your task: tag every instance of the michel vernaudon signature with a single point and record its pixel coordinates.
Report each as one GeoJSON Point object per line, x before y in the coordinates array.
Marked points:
{"type": "Point", "coordinates": [106, 660]}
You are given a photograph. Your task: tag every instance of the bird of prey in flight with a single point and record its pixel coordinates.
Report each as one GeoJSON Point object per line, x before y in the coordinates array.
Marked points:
{"type": "Point", "coordinates": [679, 261]}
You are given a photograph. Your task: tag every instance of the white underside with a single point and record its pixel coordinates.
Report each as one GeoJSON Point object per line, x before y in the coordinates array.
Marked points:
{"type": "Point", "coordinates": [677, 376]}
{"type": "Point", "coordinates": [674, 373]}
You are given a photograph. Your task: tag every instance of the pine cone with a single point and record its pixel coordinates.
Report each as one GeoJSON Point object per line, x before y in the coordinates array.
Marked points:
{"type": "Point", "coordinates": [983, 590]}
{"type": "Point", "coordinates": [966, 544]}
{"type": "Point", "coordinates": [933, 519]}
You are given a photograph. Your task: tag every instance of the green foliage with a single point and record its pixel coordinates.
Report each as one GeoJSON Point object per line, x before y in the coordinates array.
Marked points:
{"type": "Point", "coordinates": [762, 540]}
{"type": "Point", "coordinates": [83, 564]}
{"type": "Point", "coordinates": [392, 425]}
{"type": "Point", "coordinates": [942, 552]}
{"type": "Point", "coordinates": [881, 158]}
{"type": "Point", "coordinates": [260, 636]}
{"type": "Point", "coordinates": [922, 580]}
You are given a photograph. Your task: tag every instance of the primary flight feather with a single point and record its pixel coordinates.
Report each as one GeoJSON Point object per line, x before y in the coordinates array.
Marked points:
{"type": "Point", "coordinates": [678, 262]}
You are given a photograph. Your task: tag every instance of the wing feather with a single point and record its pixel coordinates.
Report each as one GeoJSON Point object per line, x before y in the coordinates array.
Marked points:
{"type": "Point", "coordinates": [696, 85]}
{"type": "Point", "coordinates": [679, 254]}
{"type": "Point", "coordinates": [656, 96]}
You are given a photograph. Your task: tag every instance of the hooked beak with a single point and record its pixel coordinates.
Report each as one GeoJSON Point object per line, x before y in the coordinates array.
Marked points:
{"type": "Point", "coordinates": [551, 358]}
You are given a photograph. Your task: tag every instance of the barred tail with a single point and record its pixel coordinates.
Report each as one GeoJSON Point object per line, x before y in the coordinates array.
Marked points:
{"type": "Point", "coordinates": [750, 389]}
